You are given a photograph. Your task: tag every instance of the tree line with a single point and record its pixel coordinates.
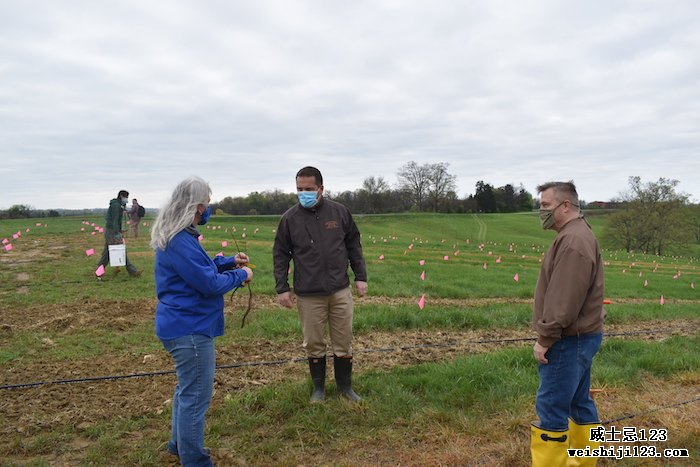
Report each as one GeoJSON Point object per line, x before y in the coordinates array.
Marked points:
{"type": "Point", "coordinates": [420, 188]}
{"type": "Point", "coordinates": [653, 218]}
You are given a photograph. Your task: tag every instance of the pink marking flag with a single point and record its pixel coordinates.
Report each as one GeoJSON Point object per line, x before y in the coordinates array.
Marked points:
{"type": "Point", "coordinates": [100, 271]}
{"type": "Point", "coordinates": [421, 302]}
{"type": "Point", "coordinates": [422, 276]}
{"type": "Point", "coordinates": [446, 258]}
{"type": "Point", "coordinates": [516, 277]}
{"type": "Point", "coordinates": [381, 256]}
{"type": "Point", "coordinates": [5, 241]}
{"type": "Point", "coordinates": [421, 262]}
{"type": "Point", "coordinates": [38, 224]}
{"type": "Point", "coordinates": [82, 229]}
{"type": "Point", "coordinates": [93, 232]}
{"type": "Point", "coordinates": [90, 252]}
{"type": "Point", "coordinates": [8, 247]}
{"type": "Point", "coordinates": [220, 253]}
{"type": "Point", "coordinates": [498, 260]}
{"type": "Point", "coordinates": [15, 236]}
{"type": "Point", "coordinates": [200, 238]}
{"type": "Point", "coordinates": [224, 244]}
{"type": "Point", "coordinates": [662, 301]}
{"type": "Point", "coordinates": [27, 230]}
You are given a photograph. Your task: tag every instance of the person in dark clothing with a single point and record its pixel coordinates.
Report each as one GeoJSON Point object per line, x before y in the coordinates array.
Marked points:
{"type": "Point", "coordinates": [114, 234]}
{"type": "Point", "coordinates": [321, 238]}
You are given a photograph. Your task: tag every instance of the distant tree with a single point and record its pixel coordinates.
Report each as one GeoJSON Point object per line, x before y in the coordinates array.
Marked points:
{"type": "Point", "coordinates": [440, 184]}
{"type": "Point", "coordinates": [19, 211]}
{"type": "Point", "coordinates": [485, 197]}
{"type": "Point", "coordinates": [372, 194]}
{"type": "Point", "coordinates": [653, 217]}
{"type": "Point", "coordinates": [415, 179]}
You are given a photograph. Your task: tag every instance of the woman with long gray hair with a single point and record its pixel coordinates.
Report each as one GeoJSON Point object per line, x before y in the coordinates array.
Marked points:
{"type": "Point", "coordinates": [190, 312]}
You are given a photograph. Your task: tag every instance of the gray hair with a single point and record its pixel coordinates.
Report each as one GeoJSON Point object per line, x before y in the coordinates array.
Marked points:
{"type": "Point", "coordinates": [562, 191]}
{"type": "Point", "coordinates": [179, 211]}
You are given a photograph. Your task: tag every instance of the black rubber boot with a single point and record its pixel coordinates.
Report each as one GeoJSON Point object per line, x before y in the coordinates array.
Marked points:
{"type": "Point", "coordinates": [343, 378]}
{"type": "Point", "coordinates": [317, 367]}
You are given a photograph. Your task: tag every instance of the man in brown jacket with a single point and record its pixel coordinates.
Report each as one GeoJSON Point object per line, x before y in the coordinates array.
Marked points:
{"type": "Point", "coordinates": [568, 318]}
{"type": "Point", "coordinates": [321, 238]}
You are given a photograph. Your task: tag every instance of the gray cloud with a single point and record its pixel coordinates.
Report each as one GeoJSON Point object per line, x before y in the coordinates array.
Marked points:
{"type": "Point", "coordinates": [99, 96]}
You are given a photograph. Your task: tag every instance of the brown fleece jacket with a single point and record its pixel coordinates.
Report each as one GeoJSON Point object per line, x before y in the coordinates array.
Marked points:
{"type": "Point", "coordinates": [570, 289]}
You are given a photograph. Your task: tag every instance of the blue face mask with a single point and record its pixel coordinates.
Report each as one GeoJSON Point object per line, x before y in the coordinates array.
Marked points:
{"type": "Point", "coordinates": [307, 199]}
{"type": "Point", "coordinates": [205, 216]}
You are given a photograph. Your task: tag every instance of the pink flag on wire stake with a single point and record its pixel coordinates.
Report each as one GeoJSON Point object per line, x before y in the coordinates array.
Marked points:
{"type": "Point", "coordinates": [100, 271]}
{"type": "Point", "coordinates": [662, 301]}
{"type": "Point", "coordinates": [421, 262]}
{"type": "Point", "coordinates": [421, 302]}
{"type": "Point", "coordinates": [200, 238]}
{"type": "Point", "coordinates": [220, 253]}
{"type": "Point", "coordinates": [90, 252]}
{"type": "Point", "coordinates": [381, 256]}
{"type": "Point", "coordinates": [516, 277]}
{"type": "Point", "coordinates": [5, 241]}
{"type": "Point", "coordinates": [8, 247]}
{"type": "Point", "coordinates": [446, 258]}
{"type": "Point", "coordinates": [422, 276]}
{"type": "Point", "coordinates": [224, 244]}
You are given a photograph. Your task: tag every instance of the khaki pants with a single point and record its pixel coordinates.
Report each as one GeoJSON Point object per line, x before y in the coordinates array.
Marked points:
{"type": "Point", "coordinates": [316, 311]}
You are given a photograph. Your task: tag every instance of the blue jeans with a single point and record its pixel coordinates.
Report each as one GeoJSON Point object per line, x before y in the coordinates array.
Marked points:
{"type": "Point", "coordinates": [565, 382]}
{"type": "Point", "coordinates": [195, 361]}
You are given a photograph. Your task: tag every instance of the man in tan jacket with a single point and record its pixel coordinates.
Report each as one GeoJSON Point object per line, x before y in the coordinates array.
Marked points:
{"type": "Point", "coordinates": [568, 318]}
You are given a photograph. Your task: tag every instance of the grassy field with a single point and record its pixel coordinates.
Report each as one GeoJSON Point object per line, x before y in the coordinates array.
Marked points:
{"type": "Point", "coordinates": [451, 384]}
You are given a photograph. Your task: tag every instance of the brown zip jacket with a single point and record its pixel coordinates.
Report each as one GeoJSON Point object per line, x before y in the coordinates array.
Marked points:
{"type": "Point", "coordinates": [570, 289]}
{"type": "Point", "coordinates": [322, 242]}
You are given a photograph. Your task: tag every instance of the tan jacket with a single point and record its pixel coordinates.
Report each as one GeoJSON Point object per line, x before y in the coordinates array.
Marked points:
{"type": "Point", "coordinates": [570, 289]}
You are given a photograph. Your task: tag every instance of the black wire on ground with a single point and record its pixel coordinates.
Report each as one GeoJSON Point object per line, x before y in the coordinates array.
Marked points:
{"type": "Point", "coordinates": [452, 344]}
{"type": "Point", "coordinates": [663, 407]}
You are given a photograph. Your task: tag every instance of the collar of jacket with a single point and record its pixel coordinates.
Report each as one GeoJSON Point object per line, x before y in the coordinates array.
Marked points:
{"type": "Point", "coordinates": [192, 230]}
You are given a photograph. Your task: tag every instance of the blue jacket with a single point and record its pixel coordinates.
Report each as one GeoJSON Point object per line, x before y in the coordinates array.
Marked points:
{"type": "Point", "coordinates": [190, 288]}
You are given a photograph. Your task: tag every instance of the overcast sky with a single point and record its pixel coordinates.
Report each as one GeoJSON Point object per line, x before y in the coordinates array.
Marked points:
{"type": "Point", "coordinates": [96, 96]}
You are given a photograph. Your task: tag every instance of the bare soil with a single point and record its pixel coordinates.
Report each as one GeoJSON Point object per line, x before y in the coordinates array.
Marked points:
{"type": "Point", "coordinates": [31, 412]}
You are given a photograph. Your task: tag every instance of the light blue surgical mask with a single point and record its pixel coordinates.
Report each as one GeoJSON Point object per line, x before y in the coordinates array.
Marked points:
{"type": "Point", "coordinates": [204, 217]}
{"type": "Point", "coordinates": [307, 199]}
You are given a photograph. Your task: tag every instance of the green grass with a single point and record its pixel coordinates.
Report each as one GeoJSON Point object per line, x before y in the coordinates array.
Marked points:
{"type": "Point", "coordinates": [267, 425]}
{"type": "Point", "coordinates": [275, 424]}
{"type": "Point", "coordinates": [56, 269]}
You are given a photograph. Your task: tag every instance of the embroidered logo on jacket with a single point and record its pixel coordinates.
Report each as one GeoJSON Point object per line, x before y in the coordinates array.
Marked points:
{"type": "Point", "coordinates": [331, 225]}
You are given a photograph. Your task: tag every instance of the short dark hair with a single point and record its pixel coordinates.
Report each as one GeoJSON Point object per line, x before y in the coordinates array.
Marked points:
{"type": "Point", "coordinates": [123, 193]}
{"type": "Point", "coordinates": [562, 189]}
{"type": "Point", "coordinates": [309, 171]}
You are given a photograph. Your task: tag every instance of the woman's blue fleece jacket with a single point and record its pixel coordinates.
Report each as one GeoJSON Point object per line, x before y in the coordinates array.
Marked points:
{"type": "Point", "coordinates": [190, 288]}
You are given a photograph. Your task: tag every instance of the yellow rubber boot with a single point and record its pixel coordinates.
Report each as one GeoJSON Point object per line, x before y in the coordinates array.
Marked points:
{"type": "Point", "coordinates": [548, 448]}
{"type": "Point", "coordinates": [580, 438]}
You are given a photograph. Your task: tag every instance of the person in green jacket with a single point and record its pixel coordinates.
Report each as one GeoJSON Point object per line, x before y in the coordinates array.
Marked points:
{"type": "Point", "coordinates": [114, 234]}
